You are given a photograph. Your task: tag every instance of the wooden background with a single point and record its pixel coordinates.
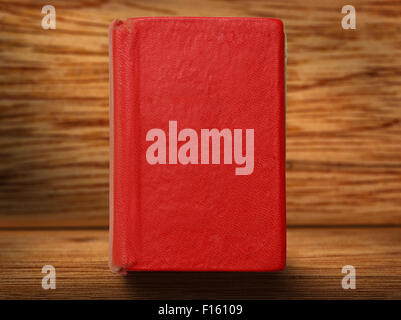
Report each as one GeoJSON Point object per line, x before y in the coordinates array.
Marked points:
{"type": "Point", "coordinates": [343, 151]}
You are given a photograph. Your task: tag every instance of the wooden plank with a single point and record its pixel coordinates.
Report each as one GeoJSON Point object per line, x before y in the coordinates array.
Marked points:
{"type": "Point", "coordinates": [315, 260]}
{"type": "Point", "coordinates": [343, 114]}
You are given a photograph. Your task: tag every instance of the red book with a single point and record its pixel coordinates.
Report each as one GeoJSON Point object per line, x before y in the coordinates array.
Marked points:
{"type": "Point", "coordinates": [197, 144]}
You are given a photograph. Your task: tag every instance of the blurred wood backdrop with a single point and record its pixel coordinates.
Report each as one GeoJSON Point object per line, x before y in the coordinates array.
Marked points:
{"type": "Point", "coordinates": [343, 151]}
{"type": "Point", "coordinates": [343, 108]}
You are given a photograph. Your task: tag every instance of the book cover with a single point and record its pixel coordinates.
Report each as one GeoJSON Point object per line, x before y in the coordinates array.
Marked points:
{"type": "Point", "coordinates": [197, 136]}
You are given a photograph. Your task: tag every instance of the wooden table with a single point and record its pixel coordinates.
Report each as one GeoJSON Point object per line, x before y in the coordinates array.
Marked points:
{"type": "Point", "coordinates": [343, 152]}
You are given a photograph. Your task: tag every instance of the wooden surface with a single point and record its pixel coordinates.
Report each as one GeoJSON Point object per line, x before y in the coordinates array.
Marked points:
{"type": "Point", "coordinates": [315, 259]}
{"type": "Point", "coordinates": [343, 108]}
{"type": "Point", "coordinates": [343, 151]}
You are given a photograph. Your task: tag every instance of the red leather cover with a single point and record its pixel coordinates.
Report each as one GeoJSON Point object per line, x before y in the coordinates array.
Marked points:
{"type": "Point", "coordinates": [173, 206]}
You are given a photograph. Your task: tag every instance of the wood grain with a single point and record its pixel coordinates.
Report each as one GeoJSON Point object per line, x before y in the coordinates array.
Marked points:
{"type": "Point", "coordinates": [343, 108]}
{"type": "Point", "coordinates": [315, 260]}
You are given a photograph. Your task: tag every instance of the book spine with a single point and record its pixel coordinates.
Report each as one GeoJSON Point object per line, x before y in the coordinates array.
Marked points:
{"type": "Point", "coordinates": [125, 236]}
{"type": "Point", "coordinates": [116, 265]}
